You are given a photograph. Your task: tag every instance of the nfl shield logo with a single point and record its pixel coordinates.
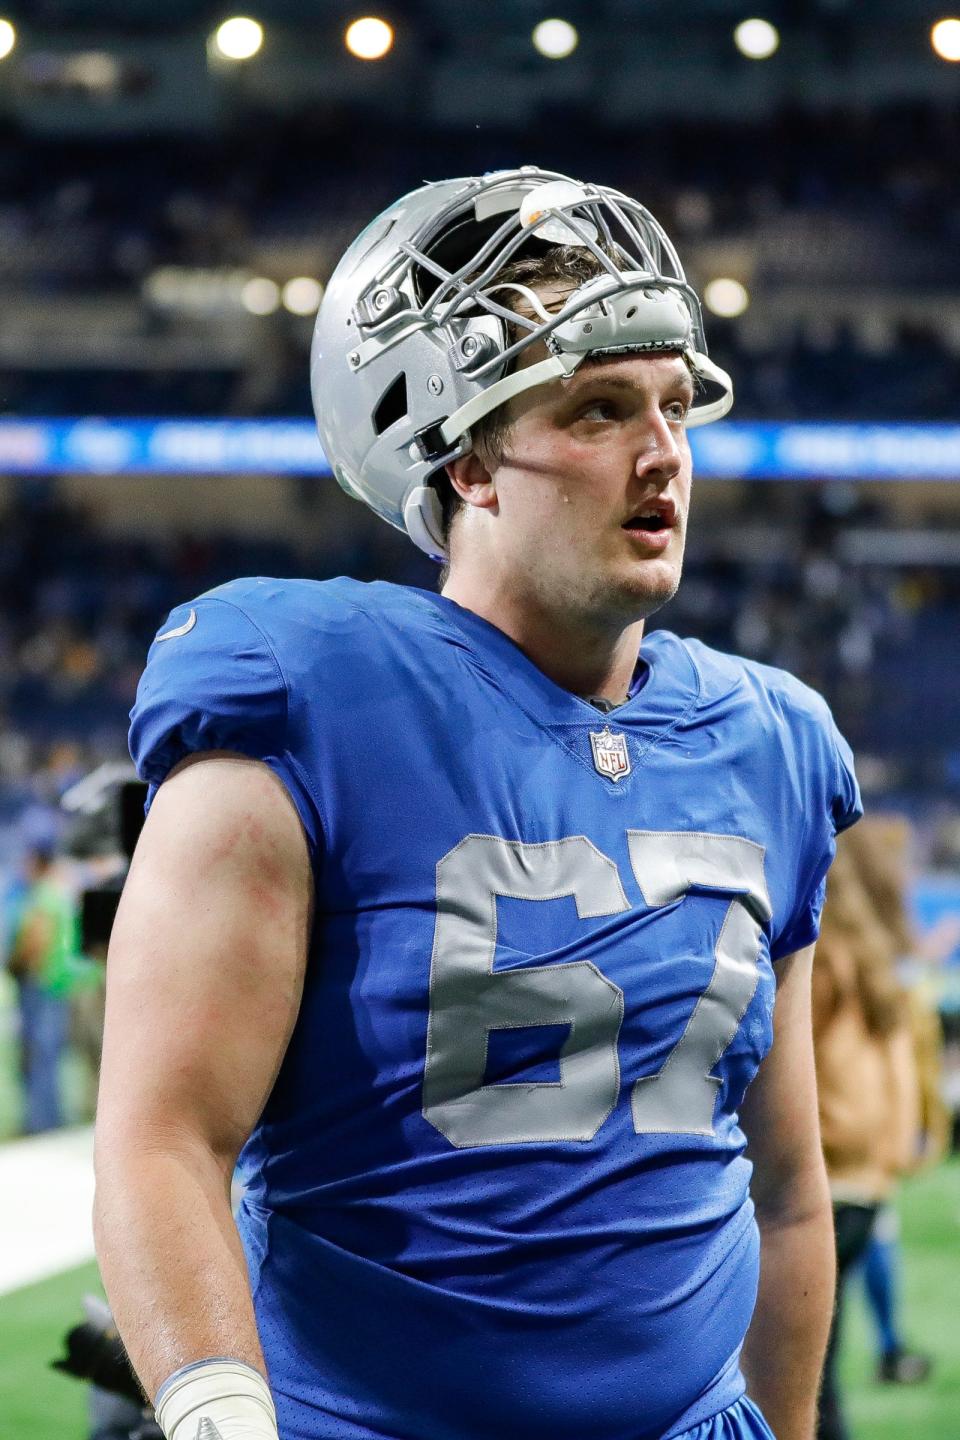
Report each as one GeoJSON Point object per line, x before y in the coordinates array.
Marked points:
{"type": "Point", "coordinates": [610, 754]}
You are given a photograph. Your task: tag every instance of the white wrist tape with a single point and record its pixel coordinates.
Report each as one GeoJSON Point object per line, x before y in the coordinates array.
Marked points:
{"type": "Point", "coordinates": [216, 1400]}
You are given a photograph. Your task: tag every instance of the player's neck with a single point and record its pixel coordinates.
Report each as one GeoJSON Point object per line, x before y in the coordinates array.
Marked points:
{"type": "Point", "coordinates": [587, 658]}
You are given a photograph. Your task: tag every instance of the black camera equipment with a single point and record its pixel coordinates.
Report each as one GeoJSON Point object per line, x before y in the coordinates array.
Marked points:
{"type": "Point", "coordinates": [105, 812]}
{"type": "Point", "coordinates": [95, 1353]}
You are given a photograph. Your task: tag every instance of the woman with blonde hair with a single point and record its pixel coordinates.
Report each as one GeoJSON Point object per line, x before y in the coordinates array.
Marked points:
{"type": "Point", "coordinates": [866, 1072]}
{"type": "Point", "coordinates": [881, 850]}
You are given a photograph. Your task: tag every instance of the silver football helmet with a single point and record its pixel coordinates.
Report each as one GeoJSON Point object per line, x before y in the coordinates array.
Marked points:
{"type": "Point", "coordinates": [413, 344]}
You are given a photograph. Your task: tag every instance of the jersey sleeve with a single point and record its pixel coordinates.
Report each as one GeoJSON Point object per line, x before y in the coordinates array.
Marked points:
{"type": "Point", "coordinates": [835, 805]}
{"type": "Point", "coordinates": [213, 682]}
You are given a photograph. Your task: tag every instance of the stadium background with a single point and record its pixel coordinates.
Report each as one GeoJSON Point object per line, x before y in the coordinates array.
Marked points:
{"type": "Point", "coordinates": [168, 215]}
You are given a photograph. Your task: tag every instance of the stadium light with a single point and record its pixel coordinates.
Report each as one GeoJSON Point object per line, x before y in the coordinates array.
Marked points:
{"type": "Point", "coordinates": [239, 38]}
{"type": "Point", "coordinates": [260, 296]}
{"type": "Point", "coordinates": [726, 297]}
{"type": "Point", "coordinates": [556, 39]}
{"type": "Point", "coordinates": [302, 295]}
{"type": "Point", "coordinates": [757, 39]}
{"type": "Point", "coordinates": [8, 38]}
{"type": "Point", "coordinates": [945, 39]}
{"type": "Point", "coordinates": [369, 38]}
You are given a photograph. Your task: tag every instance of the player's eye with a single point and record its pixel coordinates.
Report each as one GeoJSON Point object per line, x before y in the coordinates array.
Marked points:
{"type": "Point", "coordinates": [676, 411]}
{"type": "Point", "coordinates": [598, 410]}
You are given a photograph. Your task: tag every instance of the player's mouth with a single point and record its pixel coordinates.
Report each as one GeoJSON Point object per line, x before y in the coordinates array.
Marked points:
{"type": "Point", "coordinates": [653, 524]}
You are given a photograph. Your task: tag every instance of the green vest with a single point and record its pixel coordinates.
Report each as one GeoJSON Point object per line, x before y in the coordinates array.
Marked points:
{"type": "Point", "coordinates": [63, 966]}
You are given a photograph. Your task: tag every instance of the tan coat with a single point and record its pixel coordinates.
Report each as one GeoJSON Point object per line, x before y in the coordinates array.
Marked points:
{"type": "Point", "coordinates": [869, 1104]}
{"type": "Point", "coordinates": [867, 1071]}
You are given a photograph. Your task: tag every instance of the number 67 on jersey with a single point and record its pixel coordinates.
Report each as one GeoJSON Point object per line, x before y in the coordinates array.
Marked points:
{"type": "Point", "coordinates": [468, 998]}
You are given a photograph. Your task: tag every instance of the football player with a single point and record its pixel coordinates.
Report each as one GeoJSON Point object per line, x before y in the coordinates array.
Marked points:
{"type": "Point", "coordinates": [460, 917]}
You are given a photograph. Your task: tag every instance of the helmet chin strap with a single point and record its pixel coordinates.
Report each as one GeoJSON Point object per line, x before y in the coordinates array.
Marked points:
{"type": "Point", "coordinates": [712, 409]}
{"type": "Point", "coordinates": [423, 521]}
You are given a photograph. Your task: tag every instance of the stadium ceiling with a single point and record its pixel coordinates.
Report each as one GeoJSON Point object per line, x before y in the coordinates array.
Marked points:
{"type": "Point", "coordinates": [126, 67]}
{"type": "Point", "coordinates": [138, 16]}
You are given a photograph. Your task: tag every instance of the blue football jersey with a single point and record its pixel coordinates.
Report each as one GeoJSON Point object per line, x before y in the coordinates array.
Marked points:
{"type": "Point", "coordinates": [499, 1188]}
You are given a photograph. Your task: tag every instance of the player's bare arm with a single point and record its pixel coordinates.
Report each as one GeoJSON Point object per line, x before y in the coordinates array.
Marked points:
{"type": "Point", "coordinates": [784, 1348]}
{"type": "Point", "coordinates": [204, 979]}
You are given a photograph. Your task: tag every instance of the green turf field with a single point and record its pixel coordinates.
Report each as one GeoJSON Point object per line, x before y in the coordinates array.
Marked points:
{"type": "Point", "coordinates": [930, 1211]}
{"type": "Point", "coordinates": [38, 1404]}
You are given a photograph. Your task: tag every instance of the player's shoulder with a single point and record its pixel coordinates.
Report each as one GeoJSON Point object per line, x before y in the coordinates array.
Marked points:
{"type": "Point", "coordinates": [297, 615]}
{"type": "Point", "coordinates": [274, 601]}
{"type": "Point", "coordinates": [766, 688]}
{"type": "Point", "coordinates": [246, 643]}
{"type": "Point", "coordinates": [786, 725]}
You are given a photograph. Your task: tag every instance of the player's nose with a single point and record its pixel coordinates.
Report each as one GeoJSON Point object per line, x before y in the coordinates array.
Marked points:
{"type": "Point", "coordinates": [660, 457]}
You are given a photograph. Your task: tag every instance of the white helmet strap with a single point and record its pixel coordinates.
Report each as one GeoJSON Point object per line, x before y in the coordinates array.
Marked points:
{"type": "Point", "coordinates": [703, 366]}
{"type": "Point", "coordinates": [423, 519]}
{"type": "Point", "coordinates": [562, 367]}
{"type": "Point", "coordinates": [554, 367]}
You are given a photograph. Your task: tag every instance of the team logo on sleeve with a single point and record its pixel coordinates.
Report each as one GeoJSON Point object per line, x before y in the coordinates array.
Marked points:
{"type": "Point", "coordinates": [610, 755]}
{"type": "Point", "coordinates": [183, 629]}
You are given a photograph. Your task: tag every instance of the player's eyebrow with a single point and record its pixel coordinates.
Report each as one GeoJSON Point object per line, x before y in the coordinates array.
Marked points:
{"type": "Point", "coordinates": [681, 378]}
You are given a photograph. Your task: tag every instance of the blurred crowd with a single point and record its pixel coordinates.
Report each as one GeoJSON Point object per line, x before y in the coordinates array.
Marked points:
{"type": "Point", "coordinates": [79, 607]}
{"type": "Point", "coordinates": [138, 207]}
{"type": "Point", "coordinates": [837, 204]}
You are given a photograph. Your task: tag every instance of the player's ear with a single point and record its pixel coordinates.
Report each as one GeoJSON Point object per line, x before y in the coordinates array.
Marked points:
{"type": "Point", "coordinates": [472, 481]}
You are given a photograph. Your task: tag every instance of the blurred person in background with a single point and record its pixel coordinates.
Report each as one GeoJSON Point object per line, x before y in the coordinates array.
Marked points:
{"type": "Point", "coordinates": [87, 1000]}
{"type": "Point", "coordinates": [42, 962]}
{"type": "Point", "coordinates": [867, 1081]}
{"type": "Point", "coordinates": [880, 852]}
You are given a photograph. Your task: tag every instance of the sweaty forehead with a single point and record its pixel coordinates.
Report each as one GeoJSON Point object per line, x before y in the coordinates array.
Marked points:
{"type": "Point", "coordinates": [634, 372]}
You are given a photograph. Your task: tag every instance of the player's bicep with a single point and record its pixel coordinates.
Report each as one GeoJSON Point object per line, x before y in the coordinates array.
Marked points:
{"type": "Point", "coordinates": [206, 962]}
{"type": "Point", "coordinates": [779, 1111]}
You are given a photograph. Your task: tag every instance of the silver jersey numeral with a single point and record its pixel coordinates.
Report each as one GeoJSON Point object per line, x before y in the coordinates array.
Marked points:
{"type": "Point", "coordinates": [468, 998]}
{"type": "Point", "coordinates": [680, 1099]}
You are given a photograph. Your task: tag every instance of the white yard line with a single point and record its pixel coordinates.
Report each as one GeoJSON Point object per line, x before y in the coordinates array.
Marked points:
{"type": "Point", "coordinates": [46, 1202]}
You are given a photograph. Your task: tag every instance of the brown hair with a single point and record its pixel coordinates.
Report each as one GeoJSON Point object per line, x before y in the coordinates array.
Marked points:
{"type": "Point", "coordinates": [856, 952]}
{"type": "Point", "coordinates": [880, 847]}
